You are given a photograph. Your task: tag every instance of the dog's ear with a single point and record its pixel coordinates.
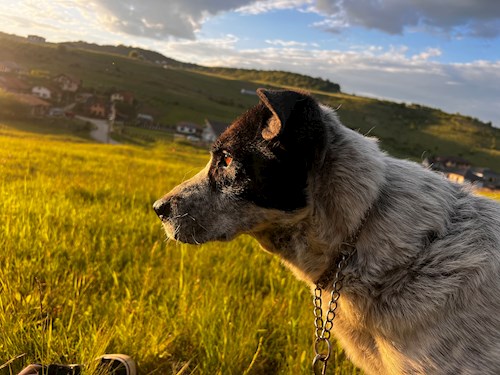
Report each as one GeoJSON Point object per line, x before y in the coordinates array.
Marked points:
{"type": "Point", "coordinates": [281, 104]}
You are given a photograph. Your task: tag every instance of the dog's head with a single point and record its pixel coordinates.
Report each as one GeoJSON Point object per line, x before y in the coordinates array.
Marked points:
{"type": "Point", "coordinates": [257, 173]}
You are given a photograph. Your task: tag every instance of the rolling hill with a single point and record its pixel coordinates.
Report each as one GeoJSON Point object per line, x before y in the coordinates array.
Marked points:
{"type": "Point", "coordinates": [187, 92]}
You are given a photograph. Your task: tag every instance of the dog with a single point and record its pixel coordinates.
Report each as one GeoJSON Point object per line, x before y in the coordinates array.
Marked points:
{"type": "Point", "coordinates": [421, 288]}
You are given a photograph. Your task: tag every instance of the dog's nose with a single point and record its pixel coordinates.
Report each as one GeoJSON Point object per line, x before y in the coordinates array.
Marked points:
{"type": "Point", "coordinates": [162, 208]}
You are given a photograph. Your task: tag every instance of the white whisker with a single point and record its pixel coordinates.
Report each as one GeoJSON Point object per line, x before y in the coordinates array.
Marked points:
{"type": "Point", "coordinates": [192, 218]}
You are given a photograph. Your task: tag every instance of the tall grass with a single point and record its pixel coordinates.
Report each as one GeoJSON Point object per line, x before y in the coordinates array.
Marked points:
{"type": "Point", "coordinates": [85, 270]}
{"type": "Point", "coordinates": [495, 195]}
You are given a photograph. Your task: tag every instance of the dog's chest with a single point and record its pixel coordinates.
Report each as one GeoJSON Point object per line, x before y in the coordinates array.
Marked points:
{"type": "Point", "coordinates": [372, 352]}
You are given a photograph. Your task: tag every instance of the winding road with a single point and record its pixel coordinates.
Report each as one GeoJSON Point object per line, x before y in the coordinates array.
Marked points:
{"type": "Point", "coordinates": [101, 131]}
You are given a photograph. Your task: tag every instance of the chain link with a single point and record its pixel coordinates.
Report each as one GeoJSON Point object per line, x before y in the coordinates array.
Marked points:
{"type": "Point", "coordinates": [322, 343]}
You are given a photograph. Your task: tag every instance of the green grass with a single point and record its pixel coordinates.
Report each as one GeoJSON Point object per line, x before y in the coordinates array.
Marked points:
{"type": "Point", "coordinates": [495, 195]}
{"type": "Point", "coordinates": [415, 132]}
{"type": "Point", "coordinates": [85, 269]}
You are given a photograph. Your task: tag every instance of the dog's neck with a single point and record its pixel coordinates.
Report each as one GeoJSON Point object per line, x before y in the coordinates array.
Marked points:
{"type": "Point", "coordinates": [346, 250]}
{"type": "Point", "coordinates": [308, 251]}
{"type": "Point", "coordinates": [342, 187]}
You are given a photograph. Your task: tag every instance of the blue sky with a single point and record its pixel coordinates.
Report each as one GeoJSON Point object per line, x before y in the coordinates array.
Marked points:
{"type": "Point", "coordinates": [444, 54]}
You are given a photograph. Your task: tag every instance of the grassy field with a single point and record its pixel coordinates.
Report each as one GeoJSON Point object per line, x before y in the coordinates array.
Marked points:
{"type": "Point", "coordinates": [85, 269]}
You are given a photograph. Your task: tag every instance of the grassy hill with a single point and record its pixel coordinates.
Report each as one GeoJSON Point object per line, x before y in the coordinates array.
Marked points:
{"type": "Point", "coordinates": [190, 93]}
{"type": "Point", "coordinates": [86, 270]}
{"type": "Point", "coordinates": [127, 51]}
{"type": "Point", "coordinates": [275, 77]}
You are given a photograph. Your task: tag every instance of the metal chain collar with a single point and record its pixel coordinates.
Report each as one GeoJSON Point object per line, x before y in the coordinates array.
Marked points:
{"type": "Point", "coordinates": [322, 343]}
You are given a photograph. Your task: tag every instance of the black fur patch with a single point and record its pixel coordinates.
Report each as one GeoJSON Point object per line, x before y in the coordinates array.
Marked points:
{"type": "Point", "coordinates": [271, 174]}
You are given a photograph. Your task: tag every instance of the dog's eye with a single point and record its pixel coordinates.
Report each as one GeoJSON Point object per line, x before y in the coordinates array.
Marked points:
{"type": "Point", "coordinates": [227, 159]}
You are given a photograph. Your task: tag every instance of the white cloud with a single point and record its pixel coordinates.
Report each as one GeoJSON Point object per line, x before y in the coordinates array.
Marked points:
{"type": "Point", "coordinates": [265, 6]}
{"type": "Point", "coordinates": [427, 54]}
{"type": "Point", "coordinates": [199, 51]}
{"type": "Point", "coordinates": [286, 43]}
{"type": "Point", "coordinates": [333, 24]}
{"type": "Point", "coordinates": [159, 19]}
{"type": "Point", "coordinates": [59, 20]}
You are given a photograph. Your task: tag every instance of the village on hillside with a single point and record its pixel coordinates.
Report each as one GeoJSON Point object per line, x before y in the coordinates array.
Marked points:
{"type": "Point", "coordinates": [64, 95]}
{"type": "Point", "coordinates": [461, 171]}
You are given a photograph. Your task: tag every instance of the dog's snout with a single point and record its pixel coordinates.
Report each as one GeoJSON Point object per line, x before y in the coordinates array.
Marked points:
{"type": "Point", "coordinates": [162, 208]}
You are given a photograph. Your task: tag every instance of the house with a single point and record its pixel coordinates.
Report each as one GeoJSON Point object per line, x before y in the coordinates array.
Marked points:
{"type": "Point", "coordinates": [490, 179]}
{"type": "Point", "coordinates": [442, 163]}
{"type": "Point", "coordinates": [460, 171]}
{"type": "Point", "coordinates": [83, 97]}
{"type": "Point", "coordinates": [37, 106]}
{"type": "Point", "coordinates": [40, 73]}
{"type": "Point", "coordinates": [97, 107]}
{"type": "Point", "coordinates": [67, 82]}
{"type": "Point", "coordinates": [456, 176]}
{"type": "Point", "coordinates": [143, 119]}
{"type": "Point", "coordinates": [14, 85]}
{"type": "Point", "coordinates": [479, 177]}
{"type": "Point", "coordinates": [187, 128]}
{"type": "Point", "coordinates": [42, 92]}
{"type": "Point", "coordinates": [462, 176]}
{"type": "Point", "coordinates": [122, 96]}
{"type": "Point", "coordinates": [36, 39]}
{"type": "Point", "coordinates": [212, 130]}
{"type": "Point", "coordinates": [47, 92]}
{"type": "Point", "coordinates": [9, 67]}
{"type": "Point", "coordinates": [248, 92]}
{"type": "Point", "coordinates": [56, 112]}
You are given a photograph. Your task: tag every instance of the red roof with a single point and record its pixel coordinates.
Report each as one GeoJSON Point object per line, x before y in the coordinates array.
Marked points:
{"type": "Point", "coordinates": [69, 77]}
{"type": "Point", "coordinates": [31, 100]}
{"type": "Point", "coordinates": [13, 84]}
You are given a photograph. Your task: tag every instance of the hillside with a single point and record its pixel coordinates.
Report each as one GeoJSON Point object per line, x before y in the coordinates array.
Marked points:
{"type": "Point", "coordinates": [273, 76]}
{"type": "Point", "coordinates": [122, 50]}
{"type": "Point", "coordinates": [191, 93]}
